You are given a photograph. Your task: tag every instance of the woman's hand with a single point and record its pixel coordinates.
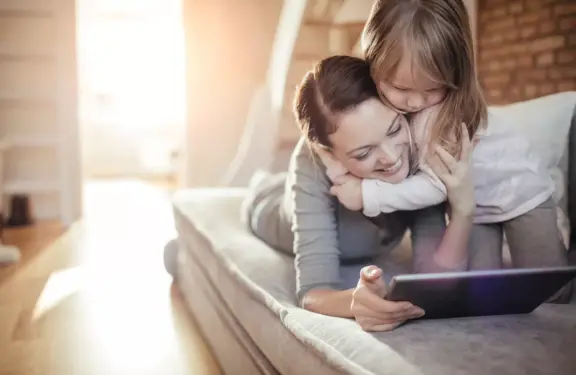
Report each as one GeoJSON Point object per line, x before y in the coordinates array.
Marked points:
{"type": "Point", "coordinates": [372, 311]}
{"type": "Point", "coordinates": [348, 190]}
{"type": "Point", "coordinates": [456, 176]}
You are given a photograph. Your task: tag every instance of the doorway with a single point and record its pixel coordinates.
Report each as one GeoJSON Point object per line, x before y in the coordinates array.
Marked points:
{"type": "Point", "coordinates": [131, 88]}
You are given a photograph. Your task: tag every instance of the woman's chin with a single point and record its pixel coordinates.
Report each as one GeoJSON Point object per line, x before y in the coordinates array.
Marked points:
{"type": "Point", "coordinates": [394, 177]}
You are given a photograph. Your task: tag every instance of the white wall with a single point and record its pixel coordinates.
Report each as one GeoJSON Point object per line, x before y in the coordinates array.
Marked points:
{"type": "Point", "coordinates": [353, 11]}
{"type": "Point", "coordinates": [228, 49]}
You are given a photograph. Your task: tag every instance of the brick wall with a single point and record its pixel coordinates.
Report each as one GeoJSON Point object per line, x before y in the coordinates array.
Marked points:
{"type": "Point", "coordinates": [526, 48]}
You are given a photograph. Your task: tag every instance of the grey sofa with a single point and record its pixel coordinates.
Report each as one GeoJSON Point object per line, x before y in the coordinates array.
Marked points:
{"type": "Point", "coordinates": [242, 292]}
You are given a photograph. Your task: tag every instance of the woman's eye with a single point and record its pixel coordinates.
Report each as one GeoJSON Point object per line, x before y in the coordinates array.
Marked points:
{"type": "Point", "coordinates": [362, 156]}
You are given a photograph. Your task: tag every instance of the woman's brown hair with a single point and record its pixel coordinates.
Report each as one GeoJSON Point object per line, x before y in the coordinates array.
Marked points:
{"type": "Point", "coordinates": [437, 36]}
{"type": "Point", "coordinates": [335, 85]}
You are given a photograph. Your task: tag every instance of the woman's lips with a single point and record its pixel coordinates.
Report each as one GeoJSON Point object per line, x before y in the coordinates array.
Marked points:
{"type": "Point", "coordinates": [393, 168]}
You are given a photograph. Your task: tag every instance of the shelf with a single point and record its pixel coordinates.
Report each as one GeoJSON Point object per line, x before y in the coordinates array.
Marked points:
{"type": "Point", "coordinates": [31, 186]}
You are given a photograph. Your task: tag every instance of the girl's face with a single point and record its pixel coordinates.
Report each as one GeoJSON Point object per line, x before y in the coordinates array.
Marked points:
{"type": "Point", "coordinates": [372, 141]}
{"type": "Point", "coordinates": [410, 91]}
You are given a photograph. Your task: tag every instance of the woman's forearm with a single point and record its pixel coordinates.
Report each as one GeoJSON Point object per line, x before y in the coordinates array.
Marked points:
{"type": "Point", "coordinates": [329, 302]}
{"type": "Point", "coordinates": [453, 250]}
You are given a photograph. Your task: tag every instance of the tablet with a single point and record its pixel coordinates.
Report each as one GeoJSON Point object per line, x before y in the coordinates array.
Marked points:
{"type": "Point", "coordinates": [480, 293]}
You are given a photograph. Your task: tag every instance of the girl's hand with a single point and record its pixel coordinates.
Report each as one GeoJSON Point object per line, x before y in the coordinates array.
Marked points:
{"type": "Point", "coordinates": [348, 190]}
{"type": "Point", "coordinates": [372, 311]}
{"type": "Point", "coordinates": [456, 176]}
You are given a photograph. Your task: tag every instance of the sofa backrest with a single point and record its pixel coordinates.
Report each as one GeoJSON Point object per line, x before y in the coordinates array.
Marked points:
{"type": "Point", "coordinates": [572, 177]}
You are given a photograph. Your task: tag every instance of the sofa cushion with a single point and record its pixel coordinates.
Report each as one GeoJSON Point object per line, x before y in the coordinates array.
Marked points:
{"type": "Point", "coordinates": [252, 277]}
{"type": "Point", "coordinates": [546, 123]}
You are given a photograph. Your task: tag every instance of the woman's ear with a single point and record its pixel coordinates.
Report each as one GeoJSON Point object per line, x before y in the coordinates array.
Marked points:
{"type": "Point", "coordinates": [323, 153]}
{"type": "Point", "coordinates": [334, 168]}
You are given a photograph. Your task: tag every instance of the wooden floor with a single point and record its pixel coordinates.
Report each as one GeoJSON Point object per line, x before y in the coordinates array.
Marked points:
{"type": "Point", "coordinates": [95, 299]}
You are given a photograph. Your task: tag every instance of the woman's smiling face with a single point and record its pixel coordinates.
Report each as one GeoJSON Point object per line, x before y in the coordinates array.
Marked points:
{"type": "Point", "coordinates": [372, 141]}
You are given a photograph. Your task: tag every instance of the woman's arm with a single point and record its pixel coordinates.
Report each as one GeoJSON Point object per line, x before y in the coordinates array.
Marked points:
{"type": "Point", "coordinates": [365, 303]}
{"type": "Point", "coordinates": [314, 225]}
{"type": "Point", "coordinates": [329, 302]}
{"type": "Point", "coordinates": [317, 258]}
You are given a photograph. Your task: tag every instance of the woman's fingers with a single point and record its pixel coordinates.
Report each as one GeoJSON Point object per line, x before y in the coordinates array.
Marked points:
{"type": "Point", "coordinates": [369, 322]}
{"type": "Point", "coordinates": [373, 312]}
{"type": "Point", "coordinates": [384, 327]}
{"type": "Point", "coordinates": [370, 274]}
{"type": "Point", "coordinates": [365, 310]}
{"type": "Point", "coordinates": [381, 308]}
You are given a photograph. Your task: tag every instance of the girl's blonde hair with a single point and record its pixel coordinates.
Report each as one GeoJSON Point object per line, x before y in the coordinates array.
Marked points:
{"type": "Point", "coordinates": [436, 35]}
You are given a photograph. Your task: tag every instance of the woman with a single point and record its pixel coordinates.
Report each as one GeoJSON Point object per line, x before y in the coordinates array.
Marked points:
{"type": "Point", "coordinates": [338, 109]}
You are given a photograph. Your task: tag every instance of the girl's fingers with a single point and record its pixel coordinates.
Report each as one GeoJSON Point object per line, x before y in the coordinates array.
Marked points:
{"type": "Point", "coordinates": [448, 159]}
{"type": "Point", "coordinates": [334, 191]}
{"type": "Point", "coordinates": [439, 168]}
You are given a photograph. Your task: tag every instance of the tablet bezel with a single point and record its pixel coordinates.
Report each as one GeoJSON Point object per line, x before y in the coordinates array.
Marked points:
{"type": "Point", "coordinates": [463, 295]}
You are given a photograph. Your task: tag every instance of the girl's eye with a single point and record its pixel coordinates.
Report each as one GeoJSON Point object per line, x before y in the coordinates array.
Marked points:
{"type": "Point", "coordinates": [362, 156]}
{"type": "Point", "coordinates": [394, 129]}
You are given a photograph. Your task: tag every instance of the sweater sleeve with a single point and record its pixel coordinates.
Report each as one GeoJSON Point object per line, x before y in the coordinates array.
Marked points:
{"type": "Point", "coordinates": [416, 192]}
{"type": "Point", "coordinates": [317, 259]}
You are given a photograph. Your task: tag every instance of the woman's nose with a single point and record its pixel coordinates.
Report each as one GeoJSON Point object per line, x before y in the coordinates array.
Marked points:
{"type": "Point", "coordinates": [388, 155]}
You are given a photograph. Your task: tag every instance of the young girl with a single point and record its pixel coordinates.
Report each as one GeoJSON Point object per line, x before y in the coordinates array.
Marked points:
{"type": "Point", "coordinates": [420, 54]}
{"type": "Point", "coordinates": [421, 59]}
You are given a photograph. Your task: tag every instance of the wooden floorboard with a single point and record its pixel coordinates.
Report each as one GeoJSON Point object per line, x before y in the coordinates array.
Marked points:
{"type": "Point", "coordinates": [94, 298]}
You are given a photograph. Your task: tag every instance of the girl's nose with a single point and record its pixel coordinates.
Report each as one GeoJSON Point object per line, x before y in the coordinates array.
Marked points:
{"type": "Point", "coordinates": [415, 101]}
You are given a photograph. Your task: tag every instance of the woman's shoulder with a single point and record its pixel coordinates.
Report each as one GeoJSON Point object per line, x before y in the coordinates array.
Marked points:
{"type": "Point", "coordinates": [304, 162]}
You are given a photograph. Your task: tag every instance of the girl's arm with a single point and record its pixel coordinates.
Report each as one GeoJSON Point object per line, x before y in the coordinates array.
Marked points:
{"type": "Point", "coordinates": [422, 190]}
{"type": "Point", "coordinates": [456, 175]}
{"type": "Point", "coordinates": [452, 255]}
{"type": "Point", "coordinates": [419, 191]}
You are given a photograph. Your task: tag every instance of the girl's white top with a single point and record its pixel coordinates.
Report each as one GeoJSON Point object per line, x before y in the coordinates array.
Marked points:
{"type": "Point", "coordinates": [510, 179]}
